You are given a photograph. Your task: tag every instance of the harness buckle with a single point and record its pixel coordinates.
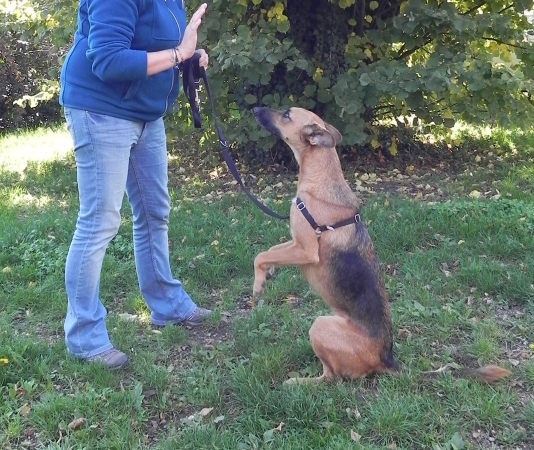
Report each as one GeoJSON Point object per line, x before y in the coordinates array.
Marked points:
{"type": "Point", "coordinates": [318, 232]}
{"type": "Point", "coordinates": [301, 206]}
{"type": "Point", "coordinates": [329, 228]}
{"type": "Point", "coordinates": [357, 218]}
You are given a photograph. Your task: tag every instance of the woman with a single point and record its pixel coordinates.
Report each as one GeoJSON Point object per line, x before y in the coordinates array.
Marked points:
{"type": "Point", "coordinates": [118, 81]}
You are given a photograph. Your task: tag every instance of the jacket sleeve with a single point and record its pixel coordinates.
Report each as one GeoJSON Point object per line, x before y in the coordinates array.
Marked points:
{"type": "Point", "coordinates": [111, 30]}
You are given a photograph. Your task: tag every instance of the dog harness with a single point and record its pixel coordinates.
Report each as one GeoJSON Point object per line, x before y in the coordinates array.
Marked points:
{"type": "Point", "coordinates": [301, 206]}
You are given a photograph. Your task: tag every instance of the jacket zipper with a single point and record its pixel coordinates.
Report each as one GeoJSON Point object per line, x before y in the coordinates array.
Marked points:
{"type": "Point", "coordinates": [174, 68]}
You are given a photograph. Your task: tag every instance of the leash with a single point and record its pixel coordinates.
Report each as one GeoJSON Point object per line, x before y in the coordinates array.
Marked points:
{"type": "Point", "coordinates": [192, 74]}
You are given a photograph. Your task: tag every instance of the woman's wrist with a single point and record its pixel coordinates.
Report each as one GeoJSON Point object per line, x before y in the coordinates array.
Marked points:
{"type": "Point", "coordinates": [175, 56]}
{"type": "Point", "coordinates": [178, 55]}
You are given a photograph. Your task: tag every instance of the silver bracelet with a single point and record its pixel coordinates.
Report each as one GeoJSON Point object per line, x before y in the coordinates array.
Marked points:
{"type": "Point", "coordinates": [173, 57]}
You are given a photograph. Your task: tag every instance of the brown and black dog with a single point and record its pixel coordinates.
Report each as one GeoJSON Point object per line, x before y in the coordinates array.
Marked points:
{"type": "Point", "coordinates": [333, 249]}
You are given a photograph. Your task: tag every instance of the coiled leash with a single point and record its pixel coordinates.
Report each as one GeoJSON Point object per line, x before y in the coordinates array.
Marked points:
{"type": "Point", "coordinates": [192, 74]}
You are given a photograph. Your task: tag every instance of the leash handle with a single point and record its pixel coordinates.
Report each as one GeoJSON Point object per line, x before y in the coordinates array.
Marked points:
{"type": "Point", "coordinates": [192, 72]}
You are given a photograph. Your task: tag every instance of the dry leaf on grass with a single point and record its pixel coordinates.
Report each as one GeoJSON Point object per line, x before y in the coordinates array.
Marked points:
{"type": "Point", "coordinates": [355, 436]}
{"type": "Point", "coordinates": [78, 423]}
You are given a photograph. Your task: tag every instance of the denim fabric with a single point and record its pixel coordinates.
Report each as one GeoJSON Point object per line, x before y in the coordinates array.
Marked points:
{"type": "Point", "coordinates": [113, 156]}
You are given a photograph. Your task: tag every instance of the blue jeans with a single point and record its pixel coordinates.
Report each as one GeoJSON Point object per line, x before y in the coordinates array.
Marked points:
{"type": "Point", "coordinates": [114, 156]}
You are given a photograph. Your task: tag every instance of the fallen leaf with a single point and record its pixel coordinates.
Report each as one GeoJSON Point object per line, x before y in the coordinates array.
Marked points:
{"type": "Point", "coordinates": [25, 409]}
{"type": "Point", "coordinates": [205, 412]}
{"type": "Point", "coordinates": [128, 317]}
{"type": "Point", "coordinates": [78, 423]}
{"type": "Point", "coordinates": [355, 436]}
{"type": "Point", "coordinates": [404, 333]}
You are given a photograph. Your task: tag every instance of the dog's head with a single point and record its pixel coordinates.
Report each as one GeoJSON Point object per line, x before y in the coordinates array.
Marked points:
{"type": "Point", "coordinates": [298, 127]}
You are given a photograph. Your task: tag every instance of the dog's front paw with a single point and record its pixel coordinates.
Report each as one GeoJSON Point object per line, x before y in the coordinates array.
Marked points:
{"type": "Point", "coordinates": [257, 289]}
{"type": "Point", "coordinates": [261, 274]}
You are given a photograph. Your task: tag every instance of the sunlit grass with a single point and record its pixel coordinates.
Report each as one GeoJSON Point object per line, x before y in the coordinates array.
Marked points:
{"type": "Point", "coordinates": [43, 144]}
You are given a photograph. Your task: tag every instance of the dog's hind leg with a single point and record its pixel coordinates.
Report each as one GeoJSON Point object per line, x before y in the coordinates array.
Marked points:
{"type": "Point", "coordinates": [344, 348]}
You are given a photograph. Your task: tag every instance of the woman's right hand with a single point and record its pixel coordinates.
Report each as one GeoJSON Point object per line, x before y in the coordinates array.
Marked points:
{"type": "Point", "coordinates": [187, 47]}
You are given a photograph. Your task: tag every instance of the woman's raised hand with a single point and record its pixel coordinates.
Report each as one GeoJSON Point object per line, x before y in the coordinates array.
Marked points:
{"type": "Point", "coordinates": [187, 47]}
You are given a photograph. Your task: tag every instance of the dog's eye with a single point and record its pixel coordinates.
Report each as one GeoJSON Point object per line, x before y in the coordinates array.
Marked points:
{"type": "Point", "coordinates": [285, 115]}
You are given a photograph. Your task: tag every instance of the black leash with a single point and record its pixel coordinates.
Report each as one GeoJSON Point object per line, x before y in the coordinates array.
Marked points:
{"type": "Point", "coordinates": [192, 74]}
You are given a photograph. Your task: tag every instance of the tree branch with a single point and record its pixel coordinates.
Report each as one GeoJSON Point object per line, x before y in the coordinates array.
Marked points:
{"type": "Point", "coordinates": [502, 42]}
{"type": "Point", "coordinates": [405, 54]}
{"type": "Point", "coordinates": [473, 9]}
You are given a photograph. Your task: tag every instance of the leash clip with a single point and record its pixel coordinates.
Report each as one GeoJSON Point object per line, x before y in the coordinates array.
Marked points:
{"type": "Point", "coordinates": [357, 218]}
{"type": "Point", "coordinates": [197, 98]}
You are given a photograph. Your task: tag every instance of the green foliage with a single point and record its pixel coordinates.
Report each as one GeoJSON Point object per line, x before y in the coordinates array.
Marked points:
{"type": "Point", "coordinates": [30, 37]}
{"type": "Point", "coordinates": [358, 64]}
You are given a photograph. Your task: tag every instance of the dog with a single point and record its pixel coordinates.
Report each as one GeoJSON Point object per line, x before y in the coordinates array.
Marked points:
{"type": "Point", "coordinates": [332, 247]}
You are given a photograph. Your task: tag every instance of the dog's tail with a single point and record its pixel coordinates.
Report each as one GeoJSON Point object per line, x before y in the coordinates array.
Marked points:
{"type": "Point", "coordinates": [485, 374]}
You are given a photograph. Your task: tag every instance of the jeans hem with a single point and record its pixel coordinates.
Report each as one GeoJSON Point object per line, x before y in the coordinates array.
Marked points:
{"type": "Point", "coordinates": [162, 323]}
{"type": "Point", "coordinates": [86, 355]}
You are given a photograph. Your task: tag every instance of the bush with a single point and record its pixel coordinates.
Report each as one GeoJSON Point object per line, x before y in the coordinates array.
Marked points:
{"type": "Point", "coordinates": [23, 66]}
{"type": "Point", "coordinates": [360, 65]}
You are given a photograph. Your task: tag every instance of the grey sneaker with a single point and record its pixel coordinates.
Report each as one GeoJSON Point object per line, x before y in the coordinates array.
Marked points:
{"type": "Point", "coordinates": [112, 359]}
{"type": "Point", "coordinates": [198, 316]}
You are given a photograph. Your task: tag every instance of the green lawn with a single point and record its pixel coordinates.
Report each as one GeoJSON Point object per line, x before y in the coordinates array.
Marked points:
{"type": "Point", "coordinates": [457, 250]}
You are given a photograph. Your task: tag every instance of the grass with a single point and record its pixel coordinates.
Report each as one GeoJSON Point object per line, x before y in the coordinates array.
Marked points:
{"type": "Point", "coordinates": [459, 268]}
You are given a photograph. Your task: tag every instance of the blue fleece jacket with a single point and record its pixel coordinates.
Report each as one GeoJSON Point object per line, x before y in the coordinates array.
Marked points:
{"type": "Point", "coordinates": [106, 69]}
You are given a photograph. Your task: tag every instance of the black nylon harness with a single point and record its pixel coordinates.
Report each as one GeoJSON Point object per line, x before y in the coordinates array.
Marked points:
{"type": "Point", "coordinates": [301, 206]}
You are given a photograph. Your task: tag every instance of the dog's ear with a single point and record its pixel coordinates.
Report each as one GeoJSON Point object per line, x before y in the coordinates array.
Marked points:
{"type": "Point", "coordinates": [327, 137]}
{"type": "Point", "coordinates": [333, 131]}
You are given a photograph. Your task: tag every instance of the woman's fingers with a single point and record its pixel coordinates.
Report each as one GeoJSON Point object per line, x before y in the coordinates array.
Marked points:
{"type": "Point", "coordinates": [189, 41]}
{"type": "Point", "coordinates": [196, 18]}
{"type": "Point", "coordinates": [203, 61]}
